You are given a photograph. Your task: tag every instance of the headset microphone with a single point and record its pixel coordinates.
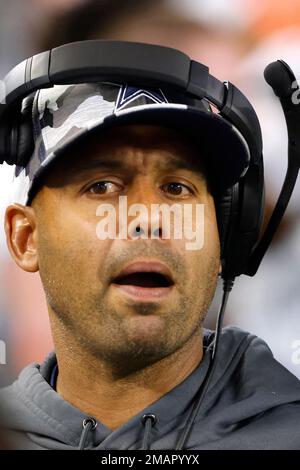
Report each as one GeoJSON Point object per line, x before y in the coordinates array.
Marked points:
{"type": "Point", "coordinates": [282, 79]}
{"type": "Point", "coordinates": [279, 75]}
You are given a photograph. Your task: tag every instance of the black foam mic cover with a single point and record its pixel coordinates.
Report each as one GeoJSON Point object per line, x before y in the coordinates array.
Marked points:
{"type": "Point", "coordinates": [280, 77]}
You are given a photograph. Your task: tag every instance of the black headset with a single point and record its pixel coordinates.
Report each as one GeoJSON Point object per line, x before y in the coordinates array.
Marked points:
{"type": "Point", "coordinates": [239, 210]}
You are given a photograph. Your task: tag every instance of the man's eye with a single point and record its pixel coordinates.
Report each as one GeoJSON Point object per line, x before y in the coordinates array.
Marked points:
{"type": "Point", "coordinates": [103, 187]}
{"type": "Point", "coordinates": [177, 189]}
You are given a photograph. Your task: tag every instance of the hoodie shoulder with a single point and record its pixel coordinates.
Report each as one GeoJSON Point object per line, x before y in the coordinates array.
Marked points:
{"type": "Point", "coordinates": [253, 357]}
{"type": "Point", "coordinates": [13, 397]}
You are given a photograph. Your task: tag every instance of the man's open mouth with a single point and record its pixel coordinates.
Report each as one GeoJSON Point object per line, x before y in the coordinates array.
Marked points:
{"type": "Point", "coordinates": [145, 279]}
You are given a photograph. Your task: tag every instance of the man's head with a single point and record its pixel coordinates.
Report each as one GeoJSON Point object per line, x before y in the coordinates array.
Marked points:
{"type": "Point", "coordinates": [142, 137]}
{"type": "Point", "coordinates": [57, 235]}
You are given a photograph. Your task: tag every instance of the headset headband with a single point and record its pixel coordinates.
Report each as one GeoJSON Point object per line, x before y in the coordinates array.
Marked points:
{"type": "Point", "coordinates": [97, 60]}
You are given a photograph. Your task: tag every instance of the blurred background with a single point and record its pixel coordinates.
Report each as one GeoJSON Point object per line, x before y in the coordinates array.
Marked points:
{"type": "Point", "coordinates": [236, 39]}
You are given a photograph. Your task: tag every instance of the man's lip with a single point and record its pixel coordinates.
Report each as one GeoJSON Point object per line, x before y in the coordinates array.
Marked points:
{"type": "Point", "coordinates": [144, 293]}
{"type": "Point", "coordinates": [145, 266]}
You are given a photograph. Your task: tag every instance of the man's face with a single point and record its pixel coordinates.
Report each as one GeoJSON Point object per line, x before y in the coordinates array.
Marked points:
{"type": "Point", "coordinates": [78, 269]}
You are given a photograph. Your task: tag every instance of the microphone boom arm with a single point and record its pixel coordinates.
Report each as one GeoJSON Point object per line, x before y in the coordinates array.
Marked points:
{"type": "Point", "coordinates": [281, 78]}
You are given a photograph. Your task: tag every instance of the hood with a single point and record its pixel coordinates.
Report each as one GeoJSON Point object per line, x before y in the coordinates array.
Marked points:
{"type": "Point", "coordinates": [252, 402]}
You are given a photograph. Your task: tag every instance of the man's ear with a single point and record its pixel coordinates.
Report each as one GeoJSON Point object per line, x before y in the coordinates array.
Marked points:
{"type": "Point", "coordinates": [21, 236]}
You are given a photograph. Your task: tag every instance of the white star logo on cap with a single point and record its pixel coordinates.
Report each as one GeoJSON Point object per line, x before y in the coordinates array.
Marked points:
{"type": "Point", "coordinates": [129, 94]}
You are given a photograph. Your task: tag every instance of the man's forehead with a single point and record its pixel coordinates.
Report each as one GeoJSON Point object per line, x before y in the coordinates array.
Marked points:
{"type": "Point", "coordinates": [127, 147]}
{"type": "Point", "coordinates": [142, 136]}
{"type": "Point", "coordinates": [164, 163]}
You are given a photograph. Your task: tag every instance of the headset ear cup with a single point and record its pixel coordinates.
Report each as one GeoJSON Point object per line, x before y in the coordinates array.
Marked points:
{"type": "Point", "coordinates": [25, 144]}
{"type": "Point", "coordinates": [231, 241]}
{"type": "Point", "coordinates": [6, 135]}
{"type": "Point", "coordinates": [223, 213]}
{"type": "Point", "coordinates": [240, 215]}
{"type": "Point", "coordinates": [21, 135]}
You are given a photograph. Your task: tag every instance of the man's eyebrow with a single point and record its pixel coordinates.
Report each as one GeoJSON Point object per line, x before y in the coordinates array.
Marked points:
{"type": "Point", "coordinates": [165, 164]}
{"type": "Point", "coordinates": [104, 163]}
{"type": "Point", "coordinates": [179, 164]}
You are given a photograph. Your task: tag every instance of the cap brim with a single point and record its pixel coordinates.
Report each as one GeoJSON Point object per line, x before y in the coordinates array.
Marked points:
{"type": "Point", "coordinates": [225, 150]}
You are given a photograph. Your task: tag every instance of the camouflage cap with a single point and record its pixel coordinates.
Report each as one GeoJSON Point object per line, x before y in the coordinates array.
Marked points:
{"type": "Point", "coordinates": [64, 113]}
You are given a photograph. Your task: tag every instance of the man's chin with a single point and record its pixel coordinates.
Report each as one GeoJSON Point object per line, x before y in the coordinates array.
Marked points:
{"type": "Point", "coordinates": [137, 355]}
{"type": "Point", "coordinates": [145, 328]}
{"type": "Point", "coordinates": [146, 340]}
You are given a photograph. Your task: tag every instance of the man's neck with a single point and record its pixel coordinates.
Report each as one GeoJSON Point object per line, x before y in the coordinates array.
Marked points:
{"type": "Point", "coordinates": [89, 384]}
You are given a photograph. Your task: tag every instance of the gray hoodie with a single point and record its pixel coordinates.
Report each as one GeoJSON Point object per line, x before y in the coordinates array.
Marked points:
{"type": "Point", "coordinates": [253, 402]}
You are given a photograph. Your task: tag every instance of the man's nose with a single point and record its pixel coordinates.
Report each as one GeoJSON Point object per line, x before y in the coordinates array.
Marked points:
{"type": "Point", "coordinates": [141, 200]}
